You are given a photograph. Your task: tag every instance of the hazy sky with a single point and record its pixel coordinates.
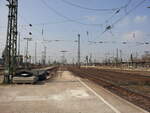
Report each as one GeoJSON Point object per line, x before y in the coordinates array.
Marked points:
{"type": "Point", "coordinates": [61, 21]}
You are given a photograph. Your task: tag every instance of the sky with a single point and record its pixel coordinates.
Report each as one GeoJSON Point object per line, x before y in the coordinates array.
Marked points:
{"type": "Point", "coordinates": [60, 20]}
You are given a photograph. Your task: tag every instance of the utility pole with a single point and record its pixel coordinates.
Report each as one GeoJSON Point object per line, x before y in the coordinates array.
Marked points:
{"type": "Point", "coordinates": [131, 59]}
{"type": "Point", "coordinates": [35, 52]}
{"type": "Point", "coordinates": [19, 44]}
{"type": "Point", "coordinates": [49, 60]}
{"type": "Point", "coordinates": [87, 60]}
{"type": "Point", "coordinates": [11, 41]}
{"type": "Point", "coordinates": [19, 56]}
{"type": "Point", "coordinates": [90, 59]}
{"type": "Point", "coordinates": [26, 56]}
{"type": "Point", "coordinates": [121, 56]}
{"type": "Point", "coordinates": [42, 58]}
{"type": "Point", "coordinates": [117, 55]}
{"type": "Point", "coordinates": [73, 61]}
{"type": "Point", "coordinates": [79, 51]}
{"type": "Point", "coordinates": [45, 54]}
{"type": "Point", "coordinates": [64, 60]}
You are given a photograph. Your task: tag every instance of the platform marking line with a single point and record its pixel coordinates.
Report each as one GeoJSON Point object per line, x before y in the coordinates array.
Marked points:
{"type": "Point", "coordinates": [101, 98]}
{"type": "Point", "coordinates": [143, 111]}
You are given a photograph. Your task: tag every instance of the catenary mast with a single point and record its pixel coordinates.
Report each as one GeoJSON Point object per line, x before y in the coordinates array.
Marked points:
{"type": "Point", "coordinates": [11, 41]}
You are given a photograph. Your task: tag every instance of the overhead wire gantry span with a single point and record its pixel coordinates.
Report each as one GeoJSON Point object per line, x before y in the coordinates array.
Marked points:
{"type": "Point", "coordinates": [123, 42]}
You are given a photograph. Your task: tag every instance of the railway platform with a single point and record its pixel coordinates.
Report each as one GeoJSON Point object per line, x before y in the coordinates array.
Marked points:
{"type": "Point", "coordinates": [64, 93]}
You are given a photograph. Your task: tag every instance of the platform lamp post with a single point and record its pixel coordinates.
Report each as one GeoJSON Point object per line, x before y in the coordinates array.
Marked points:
{"type": "Point", "coordinates": [35, 60]}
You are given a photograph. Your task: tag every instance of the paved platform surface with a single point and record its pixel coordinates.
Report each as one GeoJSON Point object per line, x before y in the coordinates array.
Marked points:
{"type": "Point", "coordinates": [62, 94]}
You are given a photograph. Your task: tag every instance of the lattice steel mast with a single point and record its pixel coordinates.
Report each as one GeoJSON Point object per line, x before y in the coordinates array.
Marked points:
{"type": "Point", "coordinates": [11, 41]}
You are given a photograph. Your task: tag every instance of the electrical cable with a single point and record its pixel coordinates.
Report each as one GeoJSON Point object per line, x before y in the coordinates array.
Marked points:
{"type": "Point", "coordinates": [65, 17]}
{"type": "Point", "coordinates": [124, 42]}
{"type": "Point", "coordinates": [127, 13]}
{"type": "Point", "coordinates": [109, 27]}
{"type": "Point", "coordinates": [86, 8]}
{"type": "Point", "coordinates": [118, 11]}
{"type": "Point", "coordinates": [29, 24]}
{"type": "Point", "coordinates": [127, 5]}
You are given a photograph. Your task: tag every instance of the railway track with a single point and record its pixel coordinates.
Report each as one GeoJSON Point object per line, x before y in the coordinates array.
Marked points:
{"type": "Point", "coordinates": [110, 82]}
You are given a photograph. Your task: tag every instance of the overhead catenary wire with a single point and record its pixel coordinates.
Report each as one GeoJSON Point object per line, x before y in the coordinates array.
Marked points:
{"type": "Point", "coordinates": [122, 42]}
{"type": "Point", "coordinates": [92, 9]}
{"type": "Point", "coordinates": [39, 24]}
{"type": "Point", "coordinates": [65, 17]}
{"type": "Point", "coordinates": [128, 12]}
{"type": "Point", "coordinates": [50, 23]}
{"type": "Point", "coordinates": [127, 5]}
{"type": "Point", "coordinates": [68, 19]}
{"type": "Point", "coordinates": [44, 23]}
{"type": "Point", "coordinates": [58, 40]}
{"type": "Point", "coordinates": [29, 24]}
{"type": "Point", "coordinates": [119, 10]}
{"type": "Point", "coordinates": [109, 27]}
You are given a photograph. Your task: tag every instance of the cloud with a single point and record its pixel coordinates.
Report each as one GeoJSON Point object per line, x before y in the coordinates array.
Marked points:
{"type": "Point", "coordinates": [133, 36]}
{"type": "Point", "coordinates": [140, 19]}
